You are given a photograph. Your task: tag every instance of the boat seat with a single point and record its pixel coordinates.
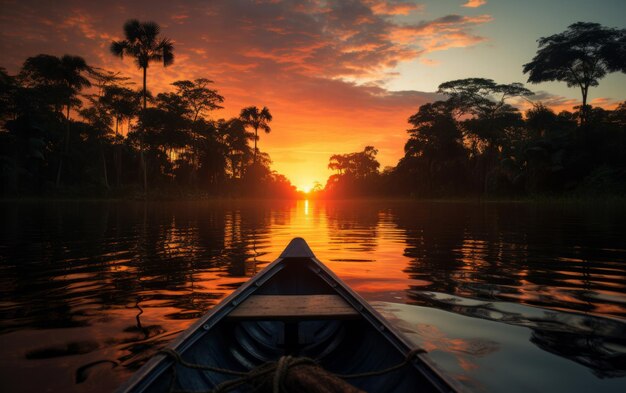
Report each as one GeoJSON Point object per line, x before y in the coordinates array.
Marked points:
{"type": "Point", "coordinates": [294, 307]}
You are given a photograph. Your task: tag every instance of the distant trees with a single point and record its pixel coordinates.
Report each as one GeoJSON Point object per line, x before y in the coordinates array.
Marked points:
{"type": "Point", "coordinates": [434, 154]}
{"type": "Point", "coordinates": [7, 87]}
{"type": "Point", "coordinates": [257, 119]}
{"type": "Point", "coordinates": [236, 139]}
{"type": "Point", "coordinates": [580, 56]}
{"type": "Point", "coordinates": [175, 136]}
{"type": "Point", "coordinates": [356, 172]}
{"type": "Point", "coordinates": [357, 165]}
{"type": "Point", "coordinates": [198, 97]}
{"type": "Point", "coordinates": [187, 151]}
{"type": "Point", "coordinates": [98, 134]}
{"type": "Point", "coordinates": [477, 143]}
{"type": "Point", "coordinates": [483, 104]}
{"type": "Point", "coordinates": [62, 79]}
{"type": "Point", "coordinates": [145, 46]}
{"type": "Point", "coordinates": [489, 124]}
{"type": "Point", "coordinates": [121, 102]}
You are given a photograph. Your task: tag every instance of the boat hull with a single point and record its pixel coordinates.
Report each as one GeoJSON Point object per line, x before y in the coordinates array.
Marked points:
{"type": "Point", "coordinates": [340, 341]}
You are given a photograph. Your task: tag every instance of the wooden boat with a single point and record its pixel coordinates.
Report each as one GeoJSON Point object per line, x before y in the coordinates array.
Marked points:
{"type": "Point", "coordinates": [295, 306]}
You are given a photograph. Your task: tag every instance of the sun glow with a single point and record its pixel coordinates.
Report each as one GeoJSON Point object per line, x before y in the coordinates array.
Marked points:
{"type": "Point", "coordinates": [304, 186]}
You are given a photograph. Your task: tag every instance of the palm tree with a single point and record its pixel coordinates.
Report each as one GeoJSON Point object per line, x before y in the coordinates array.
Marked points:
{"type": "Point", "coordinates": [251, 116]}
{"type": "Point", "coordinates": [64, 78]}
{"type": "Point", "coordinates": [144, 45]}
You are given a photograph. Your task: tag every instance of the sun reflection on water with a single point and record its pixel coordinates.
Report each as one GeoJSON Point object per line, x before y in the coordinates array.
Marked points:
{"type": "Point", "coordinates": [130, 276]}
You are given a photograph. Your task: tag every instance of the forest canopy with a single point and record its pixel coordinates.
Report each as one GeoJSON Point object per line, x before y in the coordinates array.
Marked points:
{"type": "Point", "coordinates": [71, 129]}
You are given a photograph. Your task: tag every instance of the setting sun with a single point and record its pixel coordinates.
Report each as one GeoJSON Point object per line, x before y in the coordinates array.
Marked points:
{"type": "Point", "coordinates": [455, 163]}
{"type": "Point", "coordinates": [305, 189]}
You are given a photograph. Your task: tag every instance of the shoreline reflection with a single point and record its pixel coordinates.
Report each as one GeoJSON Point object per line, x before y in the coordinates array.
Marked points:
{"type": "Point", "coordinates": [115, 281]}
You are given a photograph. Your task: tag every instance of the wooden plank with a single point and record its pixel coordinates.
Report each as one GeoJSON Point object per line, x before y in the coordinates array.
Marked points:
{"type": "Point", "coordinates": [283, 307]}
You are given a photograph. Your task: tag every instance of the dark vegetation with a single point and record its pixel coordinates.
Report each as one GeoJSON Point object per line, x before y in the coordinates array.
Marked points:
{"type": "Point", "coordinates": [118, 145]}
{"type": "Point", "coordinates": [69, 129]}
{"type": "Point", "coordinates": [475, 143]}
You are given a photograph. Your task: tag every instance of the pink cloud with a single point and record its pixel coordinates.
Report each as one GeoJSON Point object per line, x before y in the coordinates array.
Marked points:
{"type": "Point", "coordinates": [450, 31]}
{"type": "Point", "coordinates": [559, 103]}
{"type": "Point", "coordinates": [474, 3]}
{"type": "Point", "coordinates": [394, 7]}
{"type": "Point", "coordinates": [296, 57]}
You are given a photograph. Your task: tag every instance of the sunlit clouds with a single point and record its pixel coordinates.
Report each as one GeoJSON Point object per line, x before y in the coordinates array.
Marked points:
{"type": "Point", "coordinates": [474, 3]}
{"type": "Point", "coordinates": [450, 31]}
{"type": "Point", "coordinates": [394, 7]}
{"type": "Point", "coordinates": [323, 67]}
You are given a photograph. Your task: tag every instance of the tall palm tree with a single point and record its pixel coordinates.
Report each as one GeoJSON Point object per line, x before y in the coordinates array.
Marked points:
{"type": "Point", "coordinates": [63, 78]}
{"type": "Point", "coordinates": [257, 119]}
{"type": "Point", "coordinates": [145, 46]}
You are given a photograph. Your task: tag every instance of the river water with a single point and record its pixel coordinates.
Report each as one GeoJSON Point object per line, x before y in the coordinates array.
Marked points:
{"type": "Point", "coordinates": [504, 296]}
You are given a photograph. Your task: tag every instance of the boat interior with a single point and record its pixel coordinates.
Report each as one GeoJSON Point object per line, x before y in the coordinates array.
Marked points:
{"type": "Point", "coordinates": [297, 309]}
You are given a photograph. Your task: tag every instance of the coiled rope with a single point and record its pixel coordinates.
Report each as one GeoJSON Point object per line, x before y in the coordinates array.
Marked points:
{"type": "Point", "coordinates": [279, 369]}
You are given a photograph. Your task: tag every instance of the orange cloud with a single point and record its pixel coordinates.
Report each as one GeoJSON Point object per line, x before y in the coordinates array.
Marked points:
{"type": "Point", "coordinates": [301, 59]}
{"type": "Point", "coordinates": [559, 103]}
{"type": "Point", "coordinates": [451, 31]}
{"type": "Point", "coordinates": [395, 8]}
{"type": "Point", "coordinates": [474, 3]}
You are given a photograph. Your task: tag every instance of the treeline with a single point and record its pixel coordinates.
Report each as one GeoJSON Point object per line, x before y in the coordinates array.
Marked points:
{"type": "Point", "coordinates": [469, 145]}
{"type": "Point", "coordinates": [475, 143]}
{"type": "Point", "coordinates": [118, 145]}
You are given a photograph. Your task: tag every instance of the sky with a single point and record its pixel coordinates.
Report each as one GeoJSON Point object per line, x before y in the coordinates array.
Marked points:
{"type": "Point", "coordinates": [336, 75]}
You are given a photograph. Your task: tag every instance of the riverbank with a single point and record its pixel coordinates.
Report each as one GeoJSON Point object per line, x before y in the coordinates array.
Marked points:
{"type": "Point", "coordinates": [168, 197]}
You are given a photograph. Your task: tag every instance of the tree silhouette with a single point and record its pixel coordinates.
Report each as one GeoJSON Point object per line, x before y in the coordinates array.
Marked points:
{"type": "Point", "coordinates": [8, 86]}
{"type": "Point", "coordinates": [580, 56]}
{"type": "Point", "coordinates": [434, 152]}
{"type": "Point", "coordinates": [105, 78]}
{"type": "Point", "coordinates": [488, 122]}
{"type": "Point", "coordinates": [481, 97]}
{"type": "Point", "coordinates": [123, 104]}
{"type": "Point", "coordinates": [98, 118]}
{"type": "Point", "coordinates": [198, 96]}
{"type": "Point", "coordinates": [64, 78]}
{"type": "Point", "coordinates": [144, 45]}
{"type": "Point", "coordinates": [356, 165]}
{"type": "Point", "coordinates": [356, 172]}
{"type": "Point", "coordinates": [235, 138]}
{"type": "Point", "coordinates": [255, 118]}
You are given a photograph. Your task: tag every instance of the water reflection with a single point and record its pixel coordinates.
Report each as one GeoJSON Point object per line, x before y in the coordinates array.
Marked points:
{"type": "Point", "coordinates": [353, 227]}
{"type": "Point", "coordinates": [104, 285]}
{"type": "Point", "coordinates": [540, 255]}
{"type": "Point", "coordinates": [594, 342]}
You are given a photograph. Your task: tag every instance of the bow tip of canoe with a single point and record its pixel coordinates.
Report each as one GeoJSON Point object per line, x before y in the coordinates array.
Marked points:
{"type": "Point", "coordinates": [297, 248]}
